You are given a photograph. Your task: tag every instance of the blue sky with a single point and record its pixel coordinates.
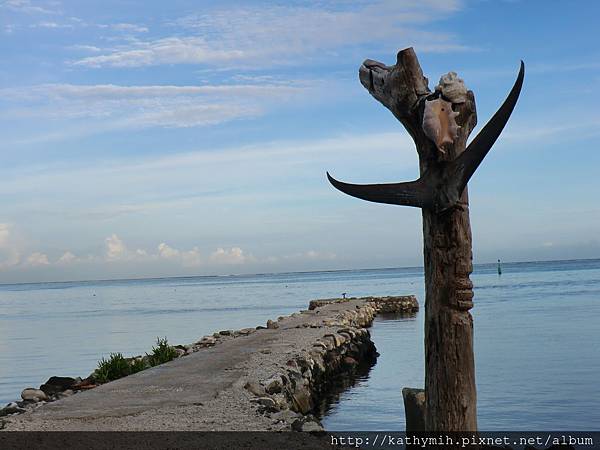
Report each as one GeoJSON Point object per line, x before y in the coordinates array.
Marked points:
{"type": "Point", "coordinates": [192, 138]}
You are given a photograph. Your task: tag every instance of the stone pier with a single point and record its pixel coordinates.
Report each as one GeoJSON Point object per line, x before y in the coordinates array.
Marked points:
{"type": "Point", "coordinates": [267, 378]}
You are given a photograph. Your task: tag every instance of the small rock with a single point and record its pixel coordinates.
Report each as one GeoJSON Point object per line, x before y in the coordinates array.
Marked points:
{"type": "Point", "coordinates": [180, 352]}
{"type": "Point", "coordinates": [307, 424]}
{"type": "Point", "coordinates": [65, 394]}
{"type": "Point", "coordinates": [272, 325]}
{"type": "Point", "coordinates": [286, 415]}
{"type": "Point", "coordinates": [247, 331]}
{"type": "Point", "coordinates": [255, 387]}
{"type": "Point", "coordinates": [301, 401]}
{"type": "Point", "coordinates": [349, 362]}
{"type": "Point", "coordinates": [11, 408]}
{"type": "Point", "coordinates": [268, 402]}
{"type": "Point", "coordinates": [207, 340]}
{"type": "Point", "coordinates": [291, 363]}
{"type": "Point", "coordinates": [281, 401]}
{"type": "Point", "coordinates": [54, 385]}
{"type": "Point", "coordinates": [312, 427]}
{"type": "Point", "coordinates": [273, 385]}
{"type": "Point", "coordinates": [226, 332]}
{"type": "Point", "coordinates": [88, 383]}
{"type": "Point", "coordinates": [33, 395]}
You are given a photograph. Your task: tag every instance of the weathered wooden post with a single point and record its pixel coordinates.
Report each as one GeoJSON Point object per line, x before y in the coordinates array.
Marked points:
{"type": "Point", "coordinates": [439, 123]}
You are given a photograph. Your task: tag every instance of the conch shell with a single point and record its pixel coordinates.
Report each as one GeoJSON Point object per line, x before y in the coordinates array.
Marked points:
{"type": "Point", "coordinates": [439, 123]}
{"type": "Point", "coordinates": [452, 88]}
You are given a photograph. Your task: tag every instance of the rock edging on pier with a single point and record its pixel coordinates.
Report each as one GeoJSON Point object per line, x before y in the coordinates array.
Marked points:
{"type": "Point", "coordinates": [388, 304]}
{"type": "Point", "coordinates": [298, 386]}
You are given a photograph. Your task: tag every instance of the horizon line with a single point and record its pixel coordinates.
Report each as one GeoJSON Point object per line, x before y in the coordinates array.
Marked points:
{"type": "Point", "coordinates": [178, 277]}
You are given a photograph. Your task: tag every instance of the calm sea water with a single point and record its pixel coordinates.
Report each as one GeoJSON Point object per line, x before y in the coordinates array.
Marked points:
{"type": "Point", "coordinates": [536, 335]}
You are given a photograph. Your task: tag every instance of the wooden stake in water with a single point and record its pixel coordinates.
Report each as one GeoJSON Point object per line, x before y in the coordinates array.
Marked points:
{"type": "Point", "coordinates": [439, 122]}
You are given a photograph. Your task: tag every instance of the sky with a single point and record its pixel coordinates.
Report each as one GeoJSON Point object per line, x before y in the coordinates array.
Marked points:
{"type": "Point", "coordinates": [150, 138]}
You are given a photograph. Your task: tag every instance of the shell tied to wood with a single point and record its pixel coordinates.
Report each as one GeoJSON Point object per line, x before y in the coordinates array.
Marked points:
{"type": "Point", "coordinates": [452, 88]}
{"type": "Point", "coordinates": [439, 123]}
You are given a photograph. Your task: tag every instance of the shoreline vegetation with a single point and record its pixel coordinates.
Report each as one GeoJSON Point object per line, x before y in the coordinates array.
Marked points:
{"type": "Point", "coordinates": [299, 357]}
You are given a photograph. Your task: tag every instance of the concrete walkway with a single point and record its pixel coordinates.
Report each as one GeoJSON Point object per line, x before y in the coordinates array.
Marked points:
{"type": "Point", "coordinates": [206, 390]}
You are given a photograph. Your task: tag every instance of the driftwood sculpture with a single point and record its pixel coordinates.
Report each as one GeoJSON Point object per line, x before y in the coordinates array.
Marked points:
{"type": "Point", "coordinates": [439, 123]}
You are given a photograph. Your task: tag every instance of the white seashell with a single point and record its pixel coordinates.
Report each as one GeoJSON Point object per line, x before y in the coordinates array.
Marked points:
{"type": "Point", "coordinates": [452, 87]}
{"type": "Point", "coordinates": [439, 123]}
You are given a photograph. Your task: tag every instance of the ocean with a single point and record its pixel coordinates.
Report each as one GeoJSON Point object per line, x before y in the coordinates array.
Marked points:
{"type": "Point", "coordinates": [537, 339]}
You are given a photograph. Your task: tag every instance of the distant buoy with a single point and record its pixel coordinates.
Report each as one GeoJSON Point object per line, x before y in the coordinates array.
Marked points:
{"type": "Point", "coordinates": [499, 268]}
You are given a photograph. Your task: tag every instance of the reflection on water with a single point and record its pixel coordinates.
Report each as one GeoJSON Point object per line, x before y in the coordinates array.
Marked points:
{"type": "Point", "coordinates": [341, 387]}
{"type": "Point", "coordinates": [374, 402]}
{"type": "Point", "coordinates": [338, 385]}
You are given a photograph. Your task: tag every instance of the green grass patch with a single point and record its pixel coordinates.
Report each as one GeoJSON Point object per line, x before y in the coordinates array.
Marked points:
{"type": "Point", "coordinates": [113, 368]}
{"type": "Point", "coordinates": [137, 365]}
{"type": "Point", "coordinates": [117, 366]}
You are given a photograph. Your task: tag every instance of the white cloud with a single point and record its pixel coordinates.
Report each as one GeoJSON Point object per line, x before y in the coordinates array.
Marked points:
{"type": "Point", "coordinates": [277, 35]}
{"type": "Point", "coordinates": [26, 6]}
{"type": "Point", "coordinates": [130, 27]}
{"type": "Point", "coordinates": [51, 25]}
{"type": "Point", "coordinates": [118, 107]}
{"type": "Point", "coordinates": [117, 252]}
{"type": "Point", "coordinates": [85, 48]}
{"type": "Point", "coordinates": [75, 22]}
{"type": "Point", "coordinates": [164, 251]}
{"type": "Point", "coordinates": [191, 258]}
{"type": "Point", "coordinates": [37, 259]}
{"type": "Point", "coordinates": [172, 50]}
{"type": "Point", "coordinates": [66, 258]}
{"type": "Point", "coordinates": [115, 248]}
{"type": "Point", "coordinates": [234, 255]}
{"type": "Point", "coordinates": [9, 251]}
